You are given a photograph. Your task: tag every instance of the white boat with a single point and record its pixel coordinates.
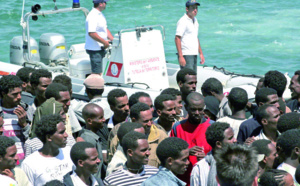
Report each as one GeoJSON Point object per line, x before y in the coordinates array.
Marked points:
{"type": "Point", "coordinates": [135, 61]}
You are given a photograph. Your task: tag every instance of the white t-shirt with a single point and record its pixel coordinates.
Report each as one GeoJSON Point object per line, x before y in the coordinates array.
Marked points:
{"type": "Point", "coordinates": [187, 29]}
{"type": "Point", "coordinates": [78, 182]}
{"type": "Point", "coordinates": [40, 169]}
{"type": "Point", "coordinates": [7, 181]}
{"type": "Point", "coordinates": [95, 22]}
{"type": "Point", "coordinates": [234, 124]}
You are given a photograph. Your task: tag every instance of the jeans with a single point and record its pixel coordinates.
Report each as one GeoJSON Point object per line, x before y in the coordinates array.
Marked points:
{"type": "Point", "coordinates": [191, 62]}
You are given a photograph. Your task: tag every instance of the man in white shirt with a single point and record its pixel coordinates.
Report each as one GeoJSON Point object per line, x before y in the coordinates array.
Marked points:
{"type": "Point", "coordinates": [97, 35]}
{"type": "Point", "coordinates": [186, 38]}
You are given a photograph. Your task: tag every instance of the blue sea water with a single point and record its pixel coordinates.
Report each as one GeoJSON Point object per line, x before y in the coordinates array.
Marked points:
{"type": "Point", "coordinates": [249, 37]}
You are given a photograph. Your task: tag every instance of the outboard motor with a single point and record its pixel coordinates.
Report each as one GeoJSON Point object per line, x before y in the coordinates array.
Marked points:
{"type": "Point", "coordinates": [53, 49]}
{"type": "Point", "coordinates": [16, 50]}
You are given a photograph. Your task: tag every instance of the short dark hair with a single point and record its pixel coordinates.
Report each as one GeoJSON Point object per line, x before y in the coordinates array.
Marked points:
{"type": "Point", "coordinates": [96, 5]}
{"type": "Point", "coordinates": [158, 102]}
{"type": "Point", "coordinates": [54, 183]}
{"type": "Point", "coordinates": [64, 80]}
{"type": "Point", "coordinates": [298, 73]}
{"type": "Point", "coordinates": [47, 126]}
{"type": "Point", "coordinates": [261, 146]}
{"type": "Point", "coordinates": [127, 127]}
{"type": "Point", "coordinates": [134, 98]}
{"type": "Point", "coordinates": [288, 121]}
{"type": "Point", "coordinates": [180, 77]}
{"type": "Point", "coordinates": [236, 165]}
{"type": "Point", "coordinates": [130, 140]}
{"type": "Point", "coordinates": [276, 80]}
{"type": "Point", "coordinates": [287, 141]}
{"type": "Point", "coordinates": [113, 94]}
{"type": "Point", "coordinates": [5, 142]}
{"type": "Point", "coordinates": [215, 132]}
{"type": "Point", "coordinates": [88, 111]}
{"type": "Point", "coordinates": [273, 177]}
{"type": "Point", "coordinates": [211, 85]}
{"type": "Point", "coordinates": [263, 93]}
{"type": "Point", "coordinates": [262, 112]}
{"type": "Point", "coordinates": [94, 92]}
{"type": "Point", "coordinates": [37, 74]}
{"type": "Point", "coordinates": [137, 108]}
{"type": "Point", "coordinates": [53, 90]}
{"type": "Point", "coordinates": [171, 91]}
{"type": "Point", "coordinates": [24, 72]}
{"type": "Point", "coordinates": [170, 147]}
{"type": "Point", "coordinates": [193, 96]}
{"type": "Point", "coordinates": [238, 98]}
{"type": "Point", "coordinates": [78, 151]}
{"type": "Point", "coordinates": [9, 82]}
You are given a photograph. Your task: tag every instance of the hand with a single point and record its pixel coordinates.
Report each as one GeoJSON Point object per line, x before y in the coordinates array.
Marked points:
{"type": "Point", "coordinates": [8, 173]}
{"type": "Point", "coordinates": [21, 113]}
{"type": "Point", "coordinates": [195, 150]}
{"type": "Point", "coordinates": [250, 140]}
{"type": "Point", "coordinates": [202, 59]}
{"type": "Point", "coordinates": [200, 155]}
{"type": "Point", "coordinates": [106, 44]}
{"type": "Point", "coordinates": [181, 61]}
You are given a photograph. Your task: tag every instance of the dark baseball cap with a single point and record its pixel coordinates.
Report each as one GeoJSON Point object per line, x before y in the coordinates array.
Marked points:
{"type": "Point", "coordinates": [100, 1]}
{"type": "Point", "coordinates": [191, 2]}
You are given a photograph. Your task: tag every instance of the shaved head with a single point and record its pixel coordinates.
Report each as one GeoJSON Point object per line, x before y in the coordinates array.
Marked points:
{"type": "Point", "coordinates": [195, 96]}
{"type": "Point", "coordinates": [91, 110]}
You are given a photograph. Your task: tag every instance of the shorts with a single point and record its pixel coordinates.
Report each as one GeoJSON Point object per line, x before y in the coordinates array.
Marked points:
{"type": "Point", "coordinates": [96, 57]}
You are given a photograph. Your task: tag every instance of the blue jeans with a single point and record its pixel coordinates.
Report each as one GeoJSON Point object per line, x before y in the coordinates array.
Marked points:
{"type": "Point", "coordinates": [191, 62]}
{"type": "Point", "coordinates": [96, 57]}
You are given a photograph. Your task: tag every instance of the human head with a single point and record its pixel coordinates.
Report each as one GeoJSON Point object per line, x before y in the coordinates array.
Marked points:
{"type": "Point", "coordinates": [39, 80]}
{"type": "Point", "coordinates": [195, 107]}
{"type": "Point", "coordinates": [60, 93]}
{"type": "Point", "coordinates": [266, 96]}
{"type": "Point", "coordinates": [1, 121]}
{"type": "Point", "coordinates": [100, 4]}
{"type": "Point", "coordinates": [212, 87]}
{"type": "Point", "coordinates": [192, 8]}
{"type": "Point", "coordinates": [64, 80]}
{"type": "Point", "coordinates": [276, 177]}
{"type": "Point", "coordinates": [260, 84]}
{"type": "Point", "coordinates": [51, 129]}
{"type": "Point", "coordinates": [24, 74]}
{"type": "Point", "coordinates": [219, 134]}
{"type": "Point", "coordinates": [237, 99]}
{"type": "Point", "coordinates": [94, 85]}
{"type": "Point", "coordinates": [93, 116]}
{"type": "Point", "coordinates": [85, 157]}
{"type": "Point", "coordinates": [11, 88]}
{"type": "Point", "coordinates": [236, 165]}
{"type": "Point", "coordinates": [267, 115]}
{"type": "Point", "coordinates": [276, 80]}
{"type": "Point", "coordinates": [187, 80]}
{"type": "Point", "coordinates": [141, 113]}
{"type": "Point", "coordinates": [165, 107]}
{"type": "Point", "coordinates": [128, 127]}
{"type": "Point", "coordinates": [141, 97]}
{"type": "Point", "coordinates": [211, 107]}
{"type": "Point", "coordinates": [54, 183]}
{"type": "Point", "coordinates": [8, 153]}
{"type": "Point", "coordinates": [288, 121]}
{"type": "Point", "coordinates": [118, 102]}
{"type": "Point", "coordinates": [136, 147]}
{"type": "Point", "coordinates": [288, 144]}
{"type": "Point", "coordinates": [178, 96]}
{"type": "Point", "coordinates": [295, 85]}
{"type": "Point", "coordinates": [173, 154]}
{"type": "Point", "coordinates": [266, 152]}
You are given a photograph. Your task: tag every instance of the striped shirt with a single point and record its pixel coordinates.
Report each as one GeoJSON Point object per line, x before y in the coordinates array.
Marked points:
{"type": "Point", "coordinates": [123, 177]}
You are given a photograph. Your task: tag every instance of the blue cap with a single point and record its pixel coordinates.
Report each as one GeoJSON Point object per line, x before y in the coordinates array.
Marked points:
{"type": "Point", "coordinates": [191, 2]}
{"type": "Point", "coordinates": [100, 1]}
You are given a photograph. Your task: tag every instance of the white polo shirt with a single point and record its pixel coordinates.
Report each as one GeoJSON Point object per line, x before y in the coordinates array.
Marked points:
{"type": "Point", "coordinates": [188, 31]}
{"type": "Point", "coordinates": [95, 22]}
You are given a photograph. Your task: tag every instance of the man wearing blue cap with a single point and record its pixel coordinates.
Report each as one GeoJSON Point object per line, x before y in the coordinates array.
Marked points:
{"type": "Point", "coordinates": [97, 35]}
{"type": "Point", "coordinates": [186, 38]}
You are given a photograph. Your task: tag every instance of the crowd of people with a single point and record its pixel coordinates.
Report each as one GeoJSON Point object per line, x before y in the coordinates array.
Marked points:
{"type": "Point", "coordinates": [181, 137]}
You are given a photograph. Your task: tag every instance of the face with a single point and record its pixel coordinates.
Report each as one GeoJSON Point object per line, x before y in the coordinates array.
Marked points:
{"type": "Point", "coordinates": [98, 121]}
{"type": "Point", "coordinates": [229, 136]}
{"type": "Point", "coordinates": [10, 159]}
{"type": "Point", "coordinates": [1, 125]}
{"type": "Point", "coordinates": [192, 11]}
{"type": "Point", "coordinates": [179, 165]}
{"type": "Point", "coordinates": [273, 100]}
{"type": "Point", "coordinates": [60, 136]}
{"type": "Point", "coordinates": [168, 113]}
{"type": "Point", "coordinates": [148, 101]}
{"type": "Point", "coordinates": [178, 105]}
{"type": "Point", "coordinates": [122, 107]}
{"type": "Point", "coordinates": [274, 115]}
{"type": "Point", "coordinates": [288, 180]}
{"type": "Point", "coordinates": [146, 120]}
{"type": "Point", "coordinates": [189, 85]}
{"type": "Point", "coordinates": [295, 87]}
{"type": "Point", "coordinates": [102, 6]}
{"type": "Point", "coordinates": [65, 99]}
{"type": "Point", "coordinates": [42, 86]}
{"type": "Point", "coordinates": [92, 162]}
{"type": "Point", "coordinates": [269, 160]}
{"type": "Point", "coordinates": [140, 130]}
{"type": "Point", "coordinates": [141, 154]}
{"type": "Point", "coordinates": [196, 110]}
{"type": "Point", "coordinates": [13, 97]}
{"type": "Point", "coordinates": [258, 86]}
